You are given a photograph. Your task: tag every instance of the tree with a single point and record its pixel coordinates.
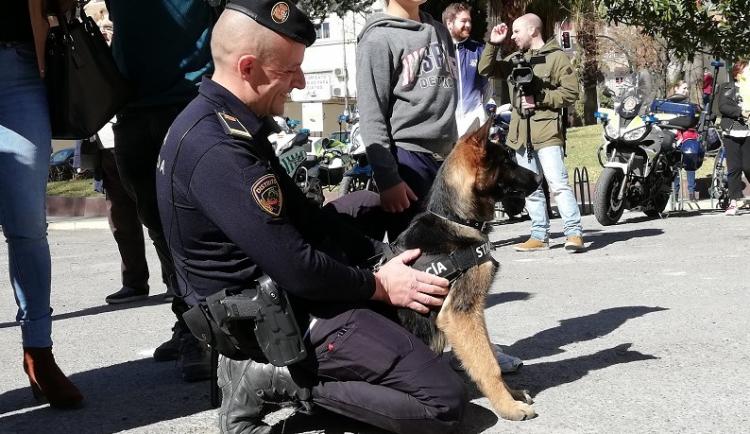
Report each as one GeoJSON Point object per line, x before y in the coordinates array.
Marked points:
{"type": "Point", "coordinates": [317, 10]}
{"type": "Point", "coordinates": [717, 27]}
{"type": "Point", "coordinates": [586, 16]}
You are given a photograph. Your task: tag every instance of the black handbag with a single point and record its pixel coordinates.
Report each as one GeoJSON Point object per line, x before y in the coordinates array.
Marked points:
{"type": "Point", "coordinates": [84, 87]}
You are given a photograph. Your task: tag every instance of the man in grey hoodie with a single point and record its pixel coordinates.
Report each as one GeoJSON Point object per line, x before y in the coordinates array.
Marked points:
{"type": "Point", "coordinates": [406, 85]}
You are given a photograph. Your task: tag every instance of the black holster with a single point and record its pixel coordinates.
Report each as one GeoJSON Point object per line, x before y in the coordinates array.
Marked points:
{"type": "Point", "coordinates": [254, 323]}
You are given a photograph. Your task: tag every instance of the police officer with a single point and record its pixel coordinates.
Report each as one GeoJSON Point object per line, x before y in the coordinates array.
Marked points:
{"type": "Point", "coordinates": [232, 214]}
{"type": "Point", "coordinates": [553, 87]}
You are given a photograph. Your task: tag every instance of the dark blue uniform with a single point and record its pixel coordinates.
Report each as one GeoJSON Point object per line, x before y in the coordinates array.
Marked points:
{"type": "Point", "coordinates": [230, 213]}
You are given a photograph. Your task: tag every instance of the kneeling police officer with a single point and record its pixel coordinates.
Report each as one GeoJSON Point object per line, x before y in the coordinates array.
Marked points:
{"type": "Point", "coordinates": [272, 277]}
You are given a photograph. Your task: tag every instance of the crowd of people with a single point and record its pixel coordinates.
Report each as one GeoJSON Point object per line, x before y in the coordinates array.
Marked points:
{"type": "Point", "coordinates": [222, 213]}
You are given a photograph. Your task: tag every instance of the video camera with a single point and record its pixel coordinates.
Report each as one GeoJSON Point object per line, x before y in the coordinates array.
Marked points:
{"type": "Point", "coordinates": [521, 77]}
{"type": "Point", "coordinates": [522, 73]}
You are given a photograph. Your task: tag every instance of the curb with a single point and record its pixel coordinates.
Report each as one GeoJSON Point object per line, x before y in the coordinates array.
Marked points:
{"type": "Point", "coordinates": [72, 224]}
{"type": "Point", "coordinates": [62, 206]}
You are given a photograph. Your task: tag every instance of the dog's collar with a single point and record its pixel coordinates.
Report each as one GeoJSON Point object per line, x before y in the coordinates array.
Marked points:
{"type": "Point", "coordinates": [474, 224]}
{"type": "Point", "coordinates": [449, 266]}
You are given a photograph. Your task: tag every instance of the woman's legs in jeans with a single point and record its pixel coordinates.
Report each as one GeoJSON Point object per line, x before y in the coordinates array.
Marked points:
{"type": "Point", "coordinates": [25, 144]}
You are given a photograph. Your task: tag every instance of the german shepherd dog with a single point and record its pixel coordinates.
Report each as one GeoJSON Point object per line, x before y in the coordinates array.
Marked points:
{"type": "Point", "coordinates": [474, 176]}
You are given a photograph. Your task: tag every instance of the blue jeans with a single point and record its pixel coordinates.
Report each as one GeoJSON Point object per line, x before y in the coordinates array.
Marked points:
{"type": "Point", "coordinates": [690, 182]}
{"type": "Point", "coordinates": [25, 145]}
{"type": "Point", "coordinates": [550, 161]}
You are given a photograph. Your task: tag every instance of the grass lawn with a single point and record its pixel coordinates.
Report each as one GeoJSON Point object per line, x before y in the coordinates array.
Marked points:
{"type": "Point", "coordinates": [73, 188]}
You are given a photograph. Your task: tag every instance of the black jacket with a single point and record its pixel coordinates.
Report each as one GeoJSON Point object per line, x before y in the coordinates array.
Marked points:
{"type": "Point", "coordinates": [730, 107]}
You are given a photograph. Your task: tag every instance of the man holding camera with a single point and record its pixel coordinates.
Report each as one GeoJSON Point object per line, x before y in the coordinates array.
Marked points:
{"type": "Point", "coordinates": [542, 83]}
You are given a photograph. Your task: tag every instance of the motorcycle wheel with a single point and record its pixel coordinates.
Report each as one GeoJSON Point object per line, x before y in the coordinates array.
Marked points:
{"type": "Point", "coordinates": [657, 206]}
{"type": "Point", "coordinates": [607, 208]}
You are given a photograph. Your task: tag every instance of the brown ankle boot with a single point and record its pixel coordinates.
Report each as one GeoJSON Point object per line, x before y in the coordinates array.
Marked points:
{"type": "Point", "coordinates": [47, 380]}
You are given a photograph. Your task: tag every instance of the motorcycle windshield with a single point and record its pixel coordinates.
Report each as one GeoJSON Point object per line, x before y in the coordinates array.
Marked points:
{"type": "Point", "coordinates": [635, 96]}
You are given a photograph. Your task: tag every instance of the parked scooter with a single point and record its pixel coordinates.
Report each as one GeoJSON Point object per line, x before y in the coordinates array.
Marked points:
{"type": "Point", "coordinates": [328, 160]}
{"type": "Point", "coordinates": [359, 176]}
{"type": "Point", "coordinates": [290, 147]}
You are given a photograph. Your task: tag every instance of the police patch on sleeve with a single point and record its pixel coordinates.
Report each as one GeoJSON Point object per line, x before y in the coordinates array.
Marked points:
{"type": "Point", "coordinates": [267, 193]}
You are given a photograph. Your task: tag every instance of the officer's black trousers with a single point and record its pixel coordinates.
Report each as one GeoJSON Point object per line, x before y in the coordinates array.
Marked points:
{"type": "Point", "coordinates": [371, 369]}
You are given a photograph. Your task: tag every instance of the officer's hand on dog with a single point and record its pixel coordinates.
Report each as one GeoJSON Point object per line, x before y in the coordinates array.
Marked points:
{"type": "Point", "coordinates": [397, 198]}
{"type": "Point", "coordinates": [398, 284]}
{"type": "Point", "coordinates": [498, 34]}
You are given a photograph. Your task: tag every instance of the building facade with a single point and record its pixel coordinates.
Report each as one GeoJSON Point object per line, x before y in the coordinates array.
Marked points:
{"type": "Point", "coordinates": [330, 71]}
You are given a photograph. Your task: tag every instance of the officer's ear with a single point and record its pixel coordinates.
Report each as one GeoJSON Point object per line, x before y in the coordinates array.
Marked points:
{"type": "Point", "coordinates": [245, 65]}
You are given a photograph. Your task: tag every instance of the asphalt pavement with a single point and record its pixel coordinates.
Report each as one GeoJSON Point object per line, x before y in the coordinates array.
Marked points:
{"type": "Point", "coordinates": [645, 332]}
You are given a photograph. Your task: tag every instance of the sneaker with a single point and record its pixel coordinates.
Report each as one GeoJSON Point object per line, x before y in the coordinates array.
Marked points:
{"type": "Point", "coordinates": [170, 349]}
{"type": "Point", "coordinates": [743, 204]}
{"type": "Point", "coordinates": [574, 244]}
{"type": "Point", "coordinates": [127, 294]}
{"type": "Point", "coordinates": [194, 359]}
{"type": "Point", "coordinates": [531, 245]}
{"type": "Point", "coordinates": [732, 208]}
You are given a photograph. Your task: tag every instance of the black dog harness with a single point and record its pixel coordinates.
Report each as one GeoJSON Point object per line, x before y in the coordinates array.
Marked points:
{"type": "Point", "coordinates": [454, 264]}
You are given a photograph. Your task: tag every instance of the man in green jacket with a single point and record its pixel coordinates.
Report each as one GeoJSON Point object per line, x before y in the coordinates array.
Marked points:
{"type": "Point", "coordinates": [553, 87]}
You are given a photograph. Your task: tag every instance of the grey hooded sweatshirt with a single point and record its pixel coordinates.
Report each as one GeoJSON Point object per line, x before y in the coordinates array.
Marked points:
{"type": "Point", "coordinates": [406, 90]}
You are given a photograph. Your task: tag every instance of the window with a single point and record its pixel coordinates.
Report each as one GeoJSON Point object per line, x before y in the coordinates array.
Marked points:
{"type": "Point", "coordinates": [323, 31]}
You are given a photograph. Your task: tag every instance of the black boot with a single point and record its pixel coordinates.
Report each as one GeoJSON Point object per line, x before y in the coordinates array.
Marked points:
{"type": "Point", "coordinates": [246, 386]}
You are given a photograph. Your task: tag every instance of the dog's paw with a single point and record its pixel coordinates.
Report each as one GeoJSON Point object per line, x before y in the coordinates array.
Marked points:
{"type": "Point", "coordinates": [518, 411]}
{"type": "Point", "coordinates": [521, 395]}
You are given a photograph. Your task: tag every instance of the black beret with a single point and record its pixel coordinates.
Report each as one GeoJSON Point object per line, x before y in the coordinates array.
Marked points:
{"type": "Point", "coordinates": [280, 16]}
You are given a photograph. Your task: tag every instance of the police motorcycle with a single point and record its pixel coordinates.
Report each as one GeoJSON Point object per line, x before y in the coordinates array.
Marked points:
{"type": "Point", "coordinates": [644, 148]}
{"type": "Point", "coordinates": [359, 176]}
{"type": "Point", "coordinates": [290, 147]}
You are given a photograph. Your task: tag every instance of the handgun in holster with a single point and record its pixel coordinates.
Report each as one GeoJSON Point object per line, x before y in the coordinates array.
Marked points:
{"type": "Point", "coordinates": [265, 308]}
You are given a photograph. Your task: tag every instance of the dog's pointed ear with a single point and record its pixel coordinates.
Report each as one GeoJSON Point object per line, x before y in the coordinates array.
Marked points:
{"type": "Point", "coordinates": [482, 134]}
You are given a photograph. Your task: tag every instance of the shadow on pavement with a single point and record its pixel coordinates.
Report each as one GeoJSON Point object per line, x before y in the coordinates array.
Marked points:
{"type": "Point", "coordinates": [542, 376]}
{"type": "Point", "coordinates": [506, 297]}
{"type": "Point", "coordinates": [604, 239]}
{"type": "Point", "coordinates": [509, 242]}
{"type": "Point", "coordinates": [104, 308]}
{"type": "Point", "coordinates": [538, 377]}
{"type": "Point", "coordinates": [550, 342]}
{"type": "Point", "coordinates": [476, 419]}
{"type": "Point", "coordinates": [117, 398]}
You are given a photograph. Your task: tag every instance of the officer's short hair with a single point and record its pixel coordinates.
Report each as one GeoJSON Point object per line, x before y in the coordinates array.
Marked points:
{"type": "Point", "coordinates": [453, 9]}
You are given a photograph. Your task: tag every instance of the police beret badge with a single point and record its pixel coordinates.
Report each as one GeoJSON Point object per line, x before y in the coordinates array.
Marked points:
{"type": "Point", "coordinates": [280, 12]}
{"type": "Point", "coordinates": [281, 16]}
{"type": "Point", "coordinates": [267, 194]}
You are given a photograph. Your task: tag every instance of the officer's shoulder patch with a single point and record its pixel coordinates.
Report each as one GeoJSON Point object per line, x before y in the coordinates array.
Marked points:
{"type": "Point", "coordinates": [233, 126]}
{"type": "Point", "coordinates": [267, 194]}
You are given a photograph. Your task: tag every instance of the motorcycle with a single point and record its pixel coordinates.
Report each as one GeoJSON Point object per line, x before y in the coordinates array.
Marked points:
{"type": "Point", "coordinates": [644, 148]}
{"type": "Point", "coordinates": [290, 147]}
{"type": "Point", "coordinates": [359, 176]}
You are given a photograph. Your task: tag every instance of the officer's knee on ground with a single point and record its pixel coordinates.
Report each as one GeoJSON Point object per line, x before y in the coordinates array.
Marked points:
{"type": "Point", "coordinates": [451, 400]}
